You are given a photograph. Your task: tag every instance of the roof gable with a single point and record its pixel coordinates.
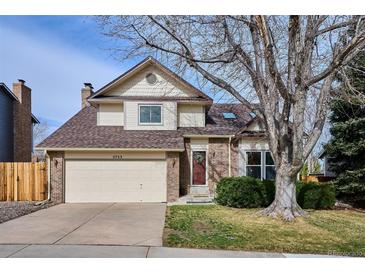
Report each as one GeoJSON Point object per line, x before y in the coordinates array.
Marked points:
{"type": "Point", "coordinates": [134, 83]}
{"type": "Point", "coordinates": [8, 92]}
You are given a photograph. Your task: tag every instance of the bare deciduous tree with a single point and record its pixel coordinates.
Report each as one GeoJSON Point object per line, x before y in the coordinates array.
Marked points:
{"type": "Point", "coordinates": [40, 132]}
{"type": "Point", "coordinates": [284, 68]}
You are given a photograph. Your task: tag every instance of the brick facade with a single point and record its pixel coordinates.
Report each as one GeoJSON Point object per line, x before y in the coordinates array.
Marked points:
{"type": "Point", "coordinates": [86, 92]}
{"type": "Point", "coordinates": [172, 163]}
{"type": "Point", "coordinates": [234, 158]}
{"type": "Point", "coordinates": [217, 161]}
{"type": "Point", "coordinates": [23, 130]}
{"type": "Point", "coordinates": [178, 169]}
{"type": "Point", "coordinates": [185, 168]}
{"type": "Point", "coordinates": [57, 176]}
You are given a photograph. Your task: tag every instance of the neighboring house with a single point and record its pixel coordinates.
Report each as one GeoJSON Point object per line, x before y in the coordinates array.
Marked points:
{"type": "Point", "coordinates": [16, 123]}
{"type": "Point", "coordinates": [327, 163]}
{"type": "Point", "coordinates": [150, 136]}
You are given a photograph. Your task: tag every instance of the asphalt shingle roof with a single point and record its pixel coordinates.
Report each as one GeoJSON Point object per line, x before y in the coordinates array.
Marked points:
{"type": "Point", "coordinates": [81, 131]}
{"type": "Point", "coordinates": [216, 124]}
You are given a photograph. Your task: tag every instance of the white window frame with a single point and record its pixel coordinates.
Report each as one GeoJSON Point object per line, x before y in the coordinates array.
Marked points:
{"type": "Point", "coordinates": [149, 124]}
{"type": "Point", "coordinates": [263, 162]}
{"type": "Point", "coordinates": [246, 161]}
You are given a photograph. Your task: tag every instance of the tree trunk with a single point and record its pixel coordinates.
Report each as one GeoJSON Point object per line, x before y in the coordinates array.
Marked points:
{"type": "Point", "coordinates": [285, 204]}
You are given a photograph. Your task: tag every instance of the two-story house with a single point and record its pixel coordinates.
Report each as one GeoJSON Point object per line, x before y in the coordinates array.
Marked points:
{"type": "Point", "coordinates": [150, 136]}
{"type": "Point", "coordinates": [16, 123]}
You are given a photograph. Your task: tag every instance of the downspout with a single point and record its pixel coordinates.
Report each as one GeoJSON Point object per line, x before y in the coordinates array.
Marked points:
{"type": "Point", "coordinates": [48, 177]}
{"type": "Point", "coordinates": [229, 156]}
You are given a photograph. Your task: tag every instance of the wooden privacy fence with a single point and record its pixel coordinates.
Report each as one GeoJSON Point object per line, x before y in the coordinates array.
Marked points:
{"type": "Point", "coordinates": [23, 181]}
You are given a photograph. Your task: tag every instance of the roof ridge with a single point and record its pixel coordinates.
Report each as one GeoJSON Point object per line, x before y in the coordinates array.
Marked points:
{"type": "Point", "coordinates": [162, 67]}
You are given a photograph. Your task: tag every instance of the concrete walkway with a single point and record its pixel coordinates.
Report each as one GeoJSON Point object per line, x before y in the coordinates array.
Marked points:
{"type": "Point", "coordinates": [109, 251]}
{"type": "Point", "coordinates": [89, 223]}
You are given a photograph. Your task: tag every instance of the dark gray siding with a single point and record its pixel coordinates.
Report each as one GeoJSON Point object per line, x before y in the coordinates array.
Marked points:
{"type": "Point", "coordinates": [6, 127]}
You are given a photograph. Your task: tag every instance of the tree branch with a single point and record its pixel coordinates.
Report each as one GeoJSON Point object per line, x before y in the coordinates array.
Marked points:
{"type": "Point", "coordinates": [320, 116]}
{"type": "Point", "coordinates": [270, 58]}
{"type": "Point", "coordinates": [334, 27]}
{"type": "Point", "coordinates": [188, 56]}
{"type": "Point", "coordinates": [340, 59]}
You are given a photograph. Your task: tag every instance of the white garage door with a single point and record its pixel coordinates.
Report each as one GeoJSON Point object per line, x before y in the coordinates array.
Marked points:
{"type": "Point", "coordinates": [115, 181]}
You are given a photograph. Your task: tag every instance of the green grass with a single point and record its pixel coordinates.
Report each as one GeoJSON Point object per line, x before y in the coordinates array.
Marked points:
{"type": "Point", "coordinates": [218, 227]}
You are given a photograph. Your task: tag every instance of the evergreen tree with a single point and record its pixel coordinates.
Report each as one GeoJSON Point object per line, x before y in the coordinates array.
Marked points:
{"type": "Point", "coordinates": [347, 146]}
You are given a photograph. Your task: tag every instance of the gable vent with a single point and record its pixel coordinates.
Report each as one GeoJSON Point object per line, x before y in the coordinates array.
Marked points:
{"type": "Point", "coordinates": [151, 78]}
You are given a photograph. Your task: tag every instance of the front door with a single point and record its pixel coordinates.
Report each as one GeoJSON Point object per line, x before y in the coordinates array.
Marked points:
{"type": "Point", "coordinates": [199, 167]}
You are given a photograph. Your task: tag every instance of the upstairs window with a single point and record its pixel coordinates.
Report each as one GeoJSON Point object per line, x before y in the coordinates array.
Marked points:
{"type": "Point", "coordinates": [150, 114]}
{"type": "Point", "coordinates": [229, 115]}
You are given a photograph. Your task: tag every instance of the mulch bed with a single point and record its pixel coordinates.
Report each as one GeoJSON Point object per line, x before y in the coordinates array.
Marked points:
{"type": "Point", "coordinates": [12, 210]}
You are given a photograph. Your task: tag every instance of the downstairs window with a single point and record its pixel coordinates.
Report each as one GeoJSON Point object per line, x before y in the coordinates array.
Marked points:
{"type": "Point", "coordinates": [259, 164]}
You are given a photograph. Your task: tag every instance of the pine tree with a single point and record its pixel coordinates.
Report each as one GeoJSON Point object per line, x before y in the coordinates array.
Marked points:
{"type": "Point", "coordinates": [347, 146]}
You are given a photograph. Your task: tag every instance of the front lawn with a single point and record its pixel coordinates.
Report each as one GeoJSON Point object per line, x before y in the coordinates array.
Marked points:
{"type": "Point", "coordinates": [216, 227]}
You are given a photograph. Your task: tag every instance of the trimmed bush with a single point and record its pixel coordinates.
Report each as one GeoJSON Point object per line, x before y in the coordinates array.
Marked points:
{"type": "Point", "coordinates": [240, 192]}
{"type": "Point", "coordinates": [249, 192]}
{"type": "Point", "coordinates": [316, 195]}
{"type": "Point", "coordinates": [268, 187]}
{"type": "Point", "coordinates": [309, 195]}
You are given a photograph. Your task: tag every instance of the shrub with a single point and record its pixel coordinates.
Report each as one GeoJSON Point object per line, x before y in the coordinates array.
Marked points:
{"type": "Point", "coordinates": [309, 195]}
{"type": "Point", "coordinates": [240, 192]}
{"type": "Point", "coordinates": [298, 187]}
{"type": "Point", "coordinates": [249, 192]}
{"type": "Point", "coordinates": [316, 195]}
{"type": "Point", "coordinates": [268, 188]}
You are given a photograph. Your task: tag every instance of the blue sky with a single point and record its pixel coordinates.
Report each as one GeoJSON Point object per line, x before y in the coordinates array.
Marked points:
{"type": "Point", "coordinates": [55, 55]}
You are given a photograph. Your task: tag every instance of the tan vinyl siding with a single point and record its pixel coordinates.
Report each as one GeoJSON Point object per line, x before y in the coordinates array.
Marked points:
{"type": "Point", "coordinates": [110, 115]}
{"type": "Point", "coordinates": [253, 144]}
{"type": "Point", "coordinates": [191, 116]}
{"type": "Point", "coordinates": [199, 143]}
{"type": "Point", "coordinates": [255, 126]}
{"type": "Point", "coordinates": [169, 119]}
{"type": "Point", "coordinates": [138, 86]}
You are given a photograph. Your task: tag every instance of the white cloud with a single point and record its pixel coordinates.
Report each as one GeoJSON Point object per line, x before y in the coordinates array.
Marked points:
{"type": "Point", "coordinates": [55, 72]}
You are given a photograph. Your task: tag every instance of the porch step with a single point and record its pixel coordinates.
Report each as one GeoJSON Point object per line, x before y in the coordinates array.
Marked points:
{"type": "Point", "coordinates": [199, 190]}
{"type": "Point", "coordinates": [199, 199]}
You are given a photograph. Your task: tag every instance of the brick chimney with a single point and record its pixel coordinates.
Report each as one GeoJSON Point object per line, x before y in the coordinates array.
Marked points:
{"type": "Point", "coordinates": [23, 131]}
{"type": "Point", "coordinates": [86, 92]}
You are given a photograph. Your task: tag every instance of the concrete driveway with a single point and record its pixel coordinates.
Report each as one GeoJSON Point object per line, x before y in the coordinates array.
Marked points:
{"type": "Point", "coordinates": [89, 224]}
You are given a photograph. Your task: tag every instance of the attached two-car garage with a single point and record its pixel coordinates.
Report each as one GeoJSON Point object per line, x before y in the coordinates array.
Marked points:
{"type": "Point", "coordinates": [104, 177]}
